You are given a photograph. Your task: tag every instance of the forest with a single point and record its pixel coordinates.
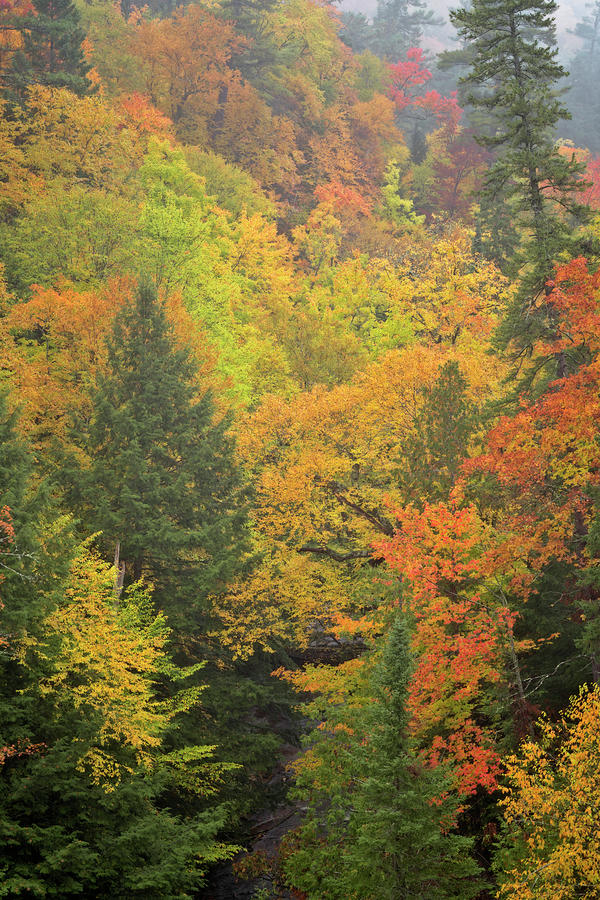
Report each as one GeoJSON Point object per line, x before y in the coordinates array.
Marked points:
{"type": "Point", "coordinates": [299, 452]}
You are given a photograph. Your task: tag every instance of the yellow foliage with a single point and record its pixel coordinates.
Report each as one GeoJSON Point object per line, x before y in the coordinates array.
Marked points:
{"type": "Point", "coordinates": [101, 655]}
{"type": "Point", "coordinates": [552, 808]}
{"type": "Point", "coordinates": [279, 602]}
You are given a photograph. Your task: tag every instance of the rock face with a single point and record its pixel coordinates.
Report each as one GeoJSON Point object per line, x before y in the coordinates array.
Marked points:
{"type": "Point", "coordinates": [264, 851]}
{"type": "Point", "coordinates": [266, 830]}
{"type": "Point", "coordinates": [325, 649]}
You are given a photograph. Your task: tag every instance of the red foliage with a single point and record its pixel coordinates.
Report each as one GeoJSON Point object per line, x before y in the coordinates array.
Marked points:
{"type": "Point", "coordinates": [458, 636]}
{"type": "Point", "coordinates": [590, 195]}
{"type": "Point", "coordinates": [17, 7]}
{"type": "Point", "coordinates": [7, 531]}
{"type": "Point", "coordinates": [457, 173]}
{"type": "Point", "coordinates": [546, 457]}
{"type": "Point", "coordinates": [343, 198]}
{"type": "Point", "coordinates": [19, 750]}
{"type": "Point", "coordinates": [144, 117]}
{"type": "Point", "coordinates": [408, 75]}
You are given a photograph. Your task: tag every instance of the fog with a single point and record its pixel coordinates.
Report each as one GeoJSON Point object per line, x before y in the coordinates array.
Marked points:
{"type": "Point", "coordinates": [569, 13]}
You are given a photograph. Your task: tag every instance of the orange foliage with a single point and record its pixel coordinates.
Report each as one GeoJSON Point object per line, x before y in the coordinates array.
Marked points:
{"type": "Point", "coordinates": [547, 456]}
{"type": "Point", "coordinates": [144, 117]}
{"type": "Point", "coordinates": [11, 38]}
{"type": "Point", "coordinates": [55, 346]}
{"type": "Point", "coordinates": [185, 61]}
{"type": "Point", "coordinates": [460, 630]}
{"type": "Point", "coordinates": [245, 131]}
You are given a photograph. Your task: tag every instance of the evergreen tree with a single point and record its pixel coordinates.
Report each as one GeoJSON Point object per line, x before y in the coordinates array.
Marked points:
{"type": "Point", "coordinates": [260, 55]}
{"type": "Point", "coordinates": [398, 849]}
{"type": "Point", "coordinates": [383, 827]}
{"type": "Point", "coordinates": [584, 101]}
{"type": "Point", "coordinates": [84, 780]}
{"type": "Point", "coordinates": [26, 569]}
{"type": "Point", "coordinates": [588, 29]}
{"type": "Point", "coordinates": [162, 483]}
{"type": "Point", "coordinates": [16, 497]}
{"type": "Point", "coordinates": [514, 77]}
{"type": "Point", "coordinates": [496, 238]}
{"type": "Point", "coordinates": [52, 50]}
{"type": "Point", "coordinates": [398, 25]}
{"type": "Point", "coordinates": [434, 451]}
{"type": "Point", "coordinates": [39, 547]}
{"type": "Point", "coordinates": [356, 31]}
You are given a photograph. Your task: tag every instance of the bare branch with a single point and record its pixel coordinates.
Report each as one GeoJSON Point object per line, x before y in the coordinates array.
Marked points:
{"type": "Point", "coordinates": [334, 554]}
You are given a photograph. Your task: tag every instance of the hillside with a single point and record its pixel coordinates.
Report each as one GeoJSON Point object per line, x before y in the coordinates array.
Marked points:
{"type": "Point", "coordinates": [299, 452]}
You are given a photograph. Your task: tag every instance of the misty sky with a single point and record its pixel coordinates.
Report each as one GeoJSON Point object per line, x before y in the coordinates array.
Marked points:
{"type": "Point", "coordinates": [570, 12]}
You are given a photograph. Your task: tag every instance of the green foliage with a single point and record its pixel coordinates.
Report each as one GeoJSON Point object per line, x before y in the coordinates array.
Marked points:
{"type": "Point", "coordinates": [398, 25]}
{"type": "Point", "coordinates": [51, 52]}
{"type": "Point", "coordinates": [399, 209]}
{"type": "Point", "coordinates": [110, 53]}
{"type": "Point", "coordinates": [514, 77]}
{"type": "Point", "coordinates": [38, 549]}
{"type": "Point", "coordinates": [233, 188]}
{"type": "Point", "coordinates": [355, 31]}
{"type": "Point", "coordinates": [339, 343]}
{"type": "Point", "coordinates": [161, 479]}
{"type": "Point", "coordinates": [384, 826]}
{"type": "Point", "coordinates": [584, 71]}
{"type": "Point", "coordinates": [18, 498]}
{"type": "Point", "coordinates": [83, 236]}
{"type": "Point", "coordinates": [81, 809]}
{"type": "Point", "coordinates": [432, 453]}
{"type": "Point", "coordinates": [190, 245]}
{"type": "Point", "coordinates": [259, 54]}
{"type": "Point", "coordinates": [176, 218]}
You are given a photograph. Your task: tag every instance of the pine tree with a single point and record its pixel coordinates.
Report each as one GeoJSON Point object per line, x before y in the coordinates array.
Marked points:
{"type": "Point", "coordinates": [162, 483]}
{"type": "Point", "coordinates": [588, 29]}
{"type": "Point", "coordinates": [259, 55]}
{"type": "Point", "coordinates": [398, 25]}
{"type": "Point", "coordinates": [52, 50]}
{"type": "Point", "coordinates": [16, 469]}
{"type": "Point", "coordinates": [356, 31]}
{"type": "Point", "coordinates": [435, 449]}
{"type": "Point", "coordinates": [379, 822]}
{"type": "Point", "coordinates": [39, 547]}
{"type": "Point", "coordinates": [584, 102]}
{"type": "Point", "coordinates": [514, 77]}
{"type": "Point", "coordinates": [397, 848]}
{"type": "Point", "coordinates": [90, 804]}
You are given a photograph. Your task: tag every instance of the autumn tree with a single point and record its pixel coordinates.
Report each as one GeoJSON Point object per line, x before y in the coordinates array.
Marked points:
{"type": "Point", "coordinates": [458, 166]}
{"type": "Point", "coordinates": [185, 60]}
{"type": "Point", "coordinates": [541, 465]}
{"type": "Point", "coordinates": [551, 802]}
{"type": "Point", "coordinates": [76, 212]}
{"type": "Point", "coordinates": [89, 769]}
{"type": "Point", "coordinates": [455, 589]}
